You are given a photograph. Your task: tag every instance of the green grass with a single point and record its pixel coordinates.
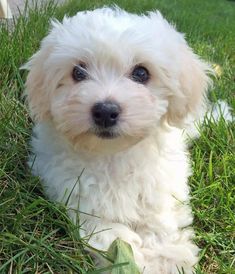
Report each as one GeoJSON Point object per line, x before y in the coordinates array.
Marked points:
{"type": "Point", "coordinates": [35, 235]}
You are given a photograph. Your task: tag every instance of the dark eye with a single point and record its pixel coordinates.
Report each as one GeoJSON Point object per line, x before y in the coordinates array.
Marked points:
{"type": "Point", "coordinates": [79, 73]}
{"type": "Point", "coordinates": [140, 74]}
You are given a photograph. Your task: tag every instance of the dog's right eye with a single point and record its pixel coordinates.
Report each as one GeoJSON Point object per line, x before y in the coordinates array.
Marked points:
{"type": "Point", "coordinates": [79, 73]}
{"type": "Point", "coordinates": [140, 74]}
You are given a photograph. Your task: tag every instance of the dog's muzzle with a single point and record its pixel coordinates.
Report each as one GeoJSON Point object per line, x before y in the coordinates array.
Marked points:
{"type": "Point", "coordinates": [105, 116]}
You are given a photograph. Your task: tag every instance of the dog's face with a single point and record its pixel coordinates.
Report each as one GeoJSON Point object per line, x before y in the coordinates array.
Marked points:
{"type": "Point", "coordinates": [107, 79]}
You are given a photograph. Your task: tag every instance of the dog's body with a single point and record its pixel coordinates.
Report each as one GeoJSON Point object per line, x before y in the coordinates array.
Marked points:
{"type": "Point", "coordinates": [126, 174]}
{"type": "Point", "coordinates": [139, 195]}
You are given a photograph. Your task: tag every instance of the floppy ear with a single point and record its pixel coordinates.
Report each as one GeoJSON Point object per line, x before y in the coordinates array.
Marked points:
{"type": "Point", "coordinates": [36, 91]}
{"type": "Point", "coordinates": [193, 83]}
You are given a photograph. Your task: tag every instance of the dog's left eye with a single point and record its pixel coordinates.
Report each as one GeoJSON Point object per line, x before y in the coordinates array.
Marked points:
{"type": "Point", "coordinates": [79, 73]}
{"type": "Point", "coordinates": [140, 74]}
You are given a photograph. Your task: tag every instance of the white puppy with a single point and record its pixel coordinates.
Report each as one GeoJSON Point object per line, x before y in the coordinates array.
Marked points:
{"type": "Point", "coordinates": [110, 93]}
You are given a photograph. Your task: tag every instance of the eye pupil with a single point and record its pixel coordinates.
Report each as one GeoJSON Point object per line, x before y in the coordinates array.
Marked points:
{"type": "Point", "coordinates": [79, 73]}
{"type": "Point", "coordinates": [140, 74]}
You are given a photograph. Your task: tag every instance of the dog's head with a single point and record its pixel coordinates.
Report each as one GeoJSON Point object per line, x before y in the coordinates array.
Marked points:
{"type": "Point", "coordinates": [107, 78]}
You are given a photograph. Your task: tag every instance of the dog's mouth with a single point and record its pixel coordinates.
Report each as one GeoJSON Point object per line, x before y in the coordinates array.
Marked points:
{"type": "Point", "coordinates": [104, 133]}
{"type": "Point", "coordinates": [107, 134]}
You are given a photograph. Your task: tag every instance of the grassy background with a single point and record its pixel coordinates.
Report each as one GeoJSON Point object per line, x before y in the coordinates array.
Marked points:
{"type": "Point", "coordinates": [35, 235]}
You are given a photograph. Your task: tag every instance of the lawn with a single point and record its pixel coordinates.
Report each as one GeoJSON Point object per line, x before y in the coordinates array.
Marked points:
{"type": "Point", "coordinates": [35, 234]}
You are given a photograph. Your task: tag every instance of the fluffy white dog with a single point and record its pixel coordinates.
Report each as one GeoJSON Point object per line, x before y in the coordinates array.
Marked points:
{"type": "Point", "coordinates": [111, 93]}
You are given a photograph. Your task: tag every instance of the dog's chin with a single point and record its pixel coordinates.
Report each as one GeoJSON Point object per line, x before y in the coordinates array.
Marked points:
{"type": "Point", "coordinates": [104, 142]}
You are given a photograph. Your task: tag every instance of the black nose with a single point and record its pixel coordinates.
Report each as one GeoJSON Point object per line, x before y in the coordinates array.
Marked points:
{"type": "Point", "coordinates": [106, 114]}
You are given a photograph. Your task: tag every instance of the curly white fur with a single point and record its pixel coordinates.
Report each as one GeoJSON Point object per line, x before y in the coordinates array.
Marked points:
{"type": "Point", "coordinates": [133, 186]}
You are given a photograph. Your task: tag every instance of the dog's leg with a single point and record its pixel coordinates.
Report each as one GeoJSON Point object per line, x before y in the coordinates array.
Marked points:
{"type": "Point", "coordinates": [168, 253]}
{"type": "Point", "coordinates": [101, 233]}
